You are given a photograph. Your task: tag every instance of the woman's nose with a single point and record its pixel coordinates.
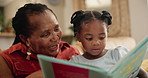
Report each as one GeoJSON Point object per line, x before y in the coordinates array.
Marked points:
{"type": "Point", "coordinates": [54, 37]}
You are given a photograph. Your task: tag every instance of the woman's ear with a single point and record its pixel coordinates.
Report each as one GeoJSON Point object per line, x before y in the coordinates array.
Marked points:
{"type": "Point", "coordinates": [23, 38]}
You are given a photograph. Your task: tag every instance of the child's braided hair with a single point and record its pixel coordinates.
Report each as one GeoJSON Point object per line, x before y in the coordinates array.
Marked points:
{"type": "Point", "coordinates": [82, 17]}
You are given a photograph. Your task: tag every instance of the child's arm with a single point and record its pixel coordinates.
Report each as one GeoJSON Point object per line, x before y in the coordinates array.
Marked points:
{"type": "Point", "coordinates": [142, 73]}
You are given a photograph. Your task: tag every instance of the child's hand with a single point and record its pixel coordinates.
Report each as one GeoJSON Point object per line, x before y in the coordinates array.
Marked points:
{"type": "Point", "coordinates": [142, 73]}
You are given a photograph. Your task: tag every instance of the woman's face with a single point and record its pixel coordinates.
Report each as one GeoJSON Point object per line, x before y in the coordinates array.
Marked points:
{"type": "Point", "coordinates": [93, 37]}
{"type": "Point", "coordinates": [46, 35]}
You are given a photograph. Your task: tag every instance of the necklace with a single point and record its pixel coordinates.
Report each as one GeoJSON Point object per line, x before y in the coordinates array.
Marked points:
{"type": "Point", "coordinates": [28, 54]}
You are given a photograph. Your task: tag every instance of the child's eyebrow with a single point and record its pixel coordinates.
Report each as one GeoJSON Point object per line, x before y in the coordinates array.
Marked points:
{"type": "Point", "coordinates": [98, 34]}
{"type": "Point", "coordinates": [88, 34]}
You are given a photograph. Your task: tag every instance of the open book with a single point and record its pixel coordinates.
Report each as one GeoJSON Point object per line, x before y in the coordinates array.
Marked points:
{"type": "Point", "coordinates": [128, 67]}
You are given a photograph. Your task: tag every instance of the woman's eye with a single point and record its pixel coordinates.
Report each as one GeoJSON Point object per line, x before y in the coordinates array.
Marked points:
{"type": "Point", "coordinates": [45, 35]}
{"type": "Point", "coordinates": [57, 30]}
{"type": "Point", "coordinates": [101, 38]}
{"type": "Point", "coordinates": [89, 39]}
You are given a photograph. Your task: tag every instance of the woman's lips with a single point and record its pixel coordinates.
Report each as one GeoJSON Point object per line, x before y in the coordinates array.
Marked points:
{"type": "Point", "coordinates": [55, 47]}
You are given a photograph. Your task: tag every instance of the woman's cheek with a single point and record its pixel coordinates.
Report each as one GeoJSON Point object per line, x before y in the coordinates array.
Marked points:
{"type": "Point", "coordinates": [60, 34]}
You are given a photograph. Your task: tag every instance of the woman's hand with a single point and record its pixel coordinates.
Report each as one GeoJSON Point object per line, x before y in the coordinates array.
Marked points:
{"type": "Point", "coordinates": [37, 74]}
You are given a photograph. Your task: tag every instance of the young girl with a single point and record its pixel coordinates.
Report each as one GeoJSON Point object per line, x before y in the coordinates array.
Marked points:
{"type": "Point", "coordinates": [91, 29]}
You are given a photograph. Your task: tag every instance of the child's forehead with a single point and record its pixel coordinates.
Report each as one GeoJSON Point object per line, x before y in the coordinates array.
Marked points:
{"type": "Point", "coordinates": [94, 27]}
{"type": "Point", "coordinates": [93, 23]}
{"type": "Point", "coordinates": [92, 20]}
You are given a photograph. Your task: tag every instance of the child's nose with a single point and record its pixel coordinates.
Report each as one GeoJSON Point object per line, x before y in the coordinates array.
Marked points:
{"type": "Point", "coordinates": [96, 42]}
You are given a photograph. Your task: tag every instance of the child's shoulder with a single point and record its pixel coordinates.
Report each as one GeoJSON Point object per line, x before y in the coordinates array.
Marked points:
{"type": "Point", "coordinates": [122, 48]}
{"type": "Point", "coordinates": [119, 49]}
{"type": "Point", "coordinates": [76, 58]}
{"type": "Point", "coordinates": [118, 52]}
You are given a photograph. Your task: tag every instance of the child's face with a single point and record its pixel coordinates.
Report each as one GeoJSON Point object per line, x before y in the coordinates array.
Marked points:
{"type": "Point", "coordinates": [93, 36]}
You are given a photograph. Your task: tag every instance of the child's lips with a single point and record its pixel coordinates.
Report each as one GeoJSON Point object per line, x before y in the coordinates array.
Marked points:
{"type": "Point", "coordinates": [95, 50]}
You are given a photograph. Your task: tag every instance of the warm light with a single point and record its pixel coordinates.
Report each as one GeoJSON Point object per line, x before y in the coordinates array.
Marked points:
{"type": "Point", "coordinates": [97, 3]}
{"type": "Point", "coordinates": [32, 1]}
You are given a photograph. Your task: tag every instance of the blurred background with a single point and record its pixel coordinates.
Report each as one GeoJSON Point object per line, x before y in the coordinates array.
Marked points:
{"type": "Point", "coordinates": [130, 17]}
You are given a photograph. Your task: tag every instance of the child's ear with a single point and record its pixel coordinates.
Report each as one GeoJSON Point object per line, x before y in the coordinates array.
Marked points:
{"type": "Point", "coordinates": [108, 29]}
{"type": "Point", "coordinates": [77, 36]}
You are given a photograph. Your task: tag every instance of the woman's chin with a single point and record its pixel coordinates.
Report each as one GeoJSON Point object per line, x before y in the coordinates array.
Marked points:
{"type": "Point", "coordinates": [53, 54]}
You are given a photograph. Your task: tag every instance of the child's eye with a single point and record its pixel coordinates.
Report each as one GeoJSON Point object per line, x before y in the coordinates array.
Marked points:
{"type": "Point", "coordinates": [89, 39]}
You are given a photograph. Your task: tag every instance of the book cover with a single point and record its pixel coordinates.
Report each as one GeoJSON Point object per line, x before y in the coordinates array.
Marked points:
{"type": "Point", "coordinates": [128, 67]}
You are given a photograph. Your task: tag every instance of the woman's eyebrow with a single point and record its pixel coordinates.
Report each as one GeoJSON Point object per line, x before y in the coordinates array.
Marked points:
{"type": "Point", "coordinates": [102, 34]}
{"type": "Point", "coordinates": [57, 25]}
{"type": "Point", "coordinates": [45, 31]}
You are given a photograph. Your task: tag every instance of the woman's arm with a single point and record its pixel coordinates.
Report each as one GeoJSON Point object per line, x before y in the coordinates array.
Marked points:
{"type": "Point", "coordinates": [37, 74]}
{"type": "Point", "coordinates": [142, 73]}
{"type": "Point", "coordinates": [5, 71]}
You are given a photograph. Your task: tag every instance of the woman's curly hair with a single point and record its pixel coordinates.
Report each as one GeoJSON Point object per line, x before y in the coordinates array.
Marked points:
{"type": "Point", "coordinates": [20, 21]}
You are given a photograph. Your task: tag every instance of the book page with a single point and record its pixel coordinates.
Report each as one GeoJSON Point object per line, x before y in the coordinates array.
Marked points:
{"type": "Point", "coordinates": [130, 64]}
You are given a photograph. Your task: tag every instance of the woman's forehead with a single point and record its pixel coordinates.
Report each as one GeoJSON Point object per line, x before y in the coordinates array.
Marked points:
{"type": "Point", "coordinates": [42, 18]}
{"type": "Point", "coordinates": [43, 21]}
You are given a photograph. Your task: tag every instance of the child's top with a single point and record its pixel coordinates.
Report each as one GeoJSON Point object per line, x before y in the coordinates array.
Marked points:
{"type": "Point", "coordinates": [105, 62]}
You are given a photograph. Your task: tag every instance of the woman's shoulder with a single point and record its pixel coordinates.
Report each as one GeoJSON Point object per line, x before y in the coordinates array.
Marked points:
{"type": "Point", "coordinates": [67, 51]}
{"type": "Point", "coordinates": [66, 46]}
{"type": "Point", "coordinates": [13, 48]}
{"type": "Point", "coordinates": [63, 43]}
